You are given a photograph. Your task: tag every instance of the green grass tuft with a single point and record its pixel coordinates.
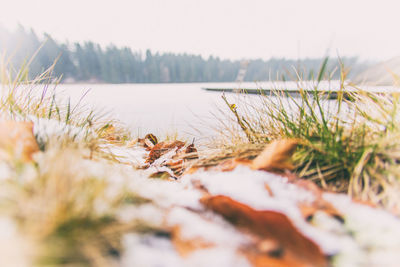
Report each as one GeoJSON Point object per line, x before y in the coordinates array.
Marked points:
{"type": "Point", "coordinates": [351, 144]}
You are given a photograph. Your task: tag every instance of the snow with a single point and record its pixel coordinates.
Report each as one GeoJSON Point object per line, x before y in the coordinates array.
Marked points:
{"type": "Point", "coordinates": [248, 186]}
{"type": "Point", "coordinates": [368, 237]}
{"type": "Point", "coordinates": [46, 129]}
{"type": "Point", "coordinates": [376, 232]}
{"type": "Point", "coordinates": [14, 250]}
{"type": "Point", "coordinates": [134, 156]}
{"type": "Point", "coordinates": [211, 228]}
{"type": "Point", "coordinates": [149, 251]}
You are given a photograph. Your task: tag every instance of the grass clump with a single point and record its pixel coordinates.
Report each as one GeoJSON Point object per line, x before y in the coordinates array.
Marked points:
{"type": "Point", "coordinates": [25, 99]}
{"type": "Point", "coordinates": [64, 202]}
{"type": "Point", "coordinates": [350, 144]}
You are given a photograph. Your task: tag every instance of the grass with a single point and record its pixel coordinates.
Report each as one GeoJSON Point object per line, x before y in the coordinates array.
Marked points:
{"type": "Point", "coordinates": [23, 98]}
{"type": "Point", "coordinates": [65, 201]}
{"type": "Point", "coordinates": [348, 145]}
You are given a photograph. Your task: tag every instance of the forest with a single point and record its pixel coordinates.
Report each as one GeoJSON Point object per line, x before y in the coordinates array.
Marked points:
{"type": "Point", "coordinates": [92, 62]}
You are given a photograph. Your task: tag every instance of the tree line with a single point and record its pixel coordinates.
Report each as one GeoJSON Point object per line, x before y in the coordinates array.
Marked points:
{"type": "Point", "coordinates": [90, 62]}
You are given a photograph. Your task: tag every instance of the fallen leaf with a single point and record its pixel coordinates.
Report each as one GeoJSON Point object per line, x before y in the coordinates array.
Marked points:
{"type": "Point", "coordinates": [163, 175]}
{"type": "Point", "coordinates": [191, 152]}
{"type": "Point", "coordinates": [266, 260]}
{"type": "Point", "coordinates": [152, 138]}
{"type": "Point", "coordinates": [177, 166]}
{"type": "Point", "coordinates": [162, 148]}
{"type": "Point", "coordinates": [17, 140]}
{"type": "Point", "coordinates": [276, 156]}
{"type": "Point", "coordinates": [319, 204]}
{"type": "Point", "coordinates": [231, 164]}
{"type": "Point", "coordinates": [149, 141]}
{"type": "Point", "coordinates": [186, 246]}
{"type": "Point", "coordinates": [294, 247]}
{"type": "Point", "coordinates": [308, 210]}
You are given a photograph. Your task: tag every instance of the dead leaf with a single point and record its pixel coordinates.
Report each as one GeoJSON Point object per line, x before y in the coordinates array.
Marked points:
{"type": "Point", "coordinates": [267, 260]}
{"type": "Point", "coordinates": [17, 140]}
{"type": "Point", "coordinates": [191, 152]}
{"type": "Point", "coordinates": [224, 166]}
{"type": "Point", "coordinates": [152, 138]}
{"type": "Point", "coordinates": [269, 225]}
{"type": "Point", "coordinates": [162, 148]}
{"type": "Point", "coordinates": [186, 246]}
{"type": "Point", "coordinates": [177, 166]}
{"type": "Point", "coordinates": [308, 210]}
{"type": "Point", "coordinates": [163, 175]}
{"type": "Point", "coordinates": [149, 141]}
{"type": "Point", "coordinates": [231, 164]}
{"type": "Point", "coordinates": [276, 156]}
{"type": "Point", "coordinates": [319, 204]}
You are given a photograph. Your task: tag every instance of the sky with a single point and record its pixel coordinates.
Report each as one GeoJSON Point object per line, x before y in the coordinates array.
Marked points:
{"type": "Point", "coordinates": [232, 29]}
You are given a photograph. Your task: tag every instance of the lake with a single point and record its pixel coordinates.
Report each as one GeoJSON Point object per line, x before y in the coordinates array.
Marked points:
{"type": "Point", "coordinates": [165, 109]}
{"type": "Point", "coordinates": [158, 108]}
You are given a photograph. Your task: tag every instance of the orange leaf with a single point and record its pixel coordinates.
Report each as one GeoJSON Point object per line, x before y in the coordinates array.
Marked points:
{"type": "Point", "coordinates": [177, 166]}
{"type": "Point", "coordinates": [162, 148]}
{"type": "Point", "coordinates": [186, 246]}
{"type": "Point", "coordinates": [191, 152]}
{"type": "Point", "coordinates": [276, 156]}
{"type": "Point", "coordinates": [231, 164]}
{"type": "Point", "coordinates": [17, 140]}
{"type": "Point", "coordinates": [294, 247]}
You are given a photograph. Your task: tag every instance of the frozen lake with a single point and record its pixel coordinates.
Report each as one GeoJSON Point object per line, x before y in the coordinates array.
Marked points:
{"type": "Point", "coordinates": [157, 108]}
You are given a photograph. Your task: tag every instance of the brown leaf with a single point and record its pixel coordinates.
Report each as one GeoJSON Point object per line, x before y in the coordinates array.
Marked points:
{"type": "Point", "coordinates": [265, 260]}
{"type": "Point", "coordinates": [231, 164]}
{"type": "Point", "coordinates": [150, 140]}
{"type": "Point", "coordinates": [163, 175]}
{"type": "Point", "coordinates": [308, 210]}
{"type": "Point", "coordinates": [319, 204]}
{"type": "Point", "coordinates": [191, 152]}
{"type": "Point", "coordinates": [17, 140]}
{"type": "Point", "coordinates": [276, 156]}
{"type": "Point", "coordinates": [186, 246]}
{"type": "Point", "coordinates": [162, 148]}
{"type": "Point", "coordinates": [148, 143]}
{"type": "Point", "coordinates": [177, 166]}
{"type": "Point", "coordinates": [224, 166]}
{"type": "Point", "coordinates": [293, 246]}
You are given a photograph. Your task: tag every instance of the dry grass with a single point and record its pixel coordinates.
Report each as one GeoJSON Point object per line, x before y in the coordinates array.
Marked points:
{"type": "Point", "coordinates": [64, 201]}
{"type": "Point", "coordinates": [348, 145]}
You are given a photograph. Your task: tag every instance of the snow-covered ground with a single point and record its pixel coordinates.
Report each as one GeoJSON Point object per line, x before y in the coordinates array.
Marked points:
{"type": "Point", "coordinates": [364, 236]}
{"type": "Point", "coordinates": [198, 233]}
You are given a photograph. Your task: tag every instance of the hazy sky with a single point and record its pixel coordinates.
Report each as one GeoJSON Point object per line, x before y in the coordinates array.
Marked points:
{"type": "Point", "coordinates": [226, 28]}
